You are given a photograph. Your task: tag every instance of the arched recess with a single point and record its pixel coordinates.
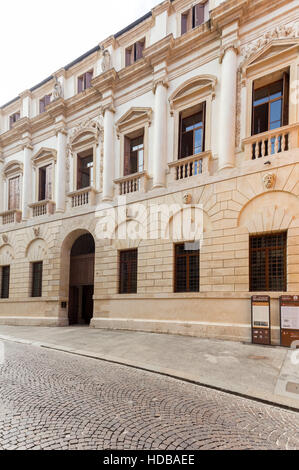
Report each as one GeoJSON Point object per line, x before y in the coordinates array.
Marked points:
{"type": "Point", "coordinates": [6, 255]}
{"type": "Point", "coordinates": [77, 275]}
{"type": "Point", "coordinates": [268, 212]}
{"type": "Point", "coordinates": [187, 224]}
{"type": "Point", "coordinates": [37, 250]}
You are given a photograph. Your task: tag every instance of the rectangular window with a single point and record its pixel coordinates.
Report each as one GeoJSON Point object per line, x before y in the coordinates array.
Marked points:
{"type": "Point", "coordinates": [13, 118]}
{"type": "Point", "coordinates": [85, 169]}
{"type": "Point", "coordinates": [45, 183]}
{"type": "Point", "coordinates": [270, 108]}
{"type": "Point", "coordinates": [268, 263]}
{"type": "Point", "coordinates": [193, 17]}
{"type": "Point", "coordinates": [43, 103]}
{"type": "Point", "coordinates": [5, 275]}
{"type": "Point", "coordinates": [37, 279]}
{"type": "Point", "coordinates": [134, 155]}
{"type": "Point", "coordinates": [192, 132]}
{"type": "Point", "coordinates": [186, 268]}
{"type": "Point", "coordinates": [84, 81]}
{"type": "Point", "coordinates": [128, 261]}
{"type": "Point", "coordinates": [134, 52]}
{"type": "Point", "coordinates": [14, 193]}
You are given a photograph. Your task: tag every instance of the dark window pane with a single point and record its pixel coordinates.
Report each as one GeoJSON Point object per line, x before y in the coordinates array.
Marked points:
{"type": "Point", "coordinates": [261, 119]}
{"type": "Point", "coordinates": [268, 262]}
{"type": "Point", "coordinates": [128, 261]}
{"type": "Point", "coordinates": [5, 276]}
{"type": "Point", "coordinates": [37, 279]}
{"type": "Point", "coordinates": [186, 269]}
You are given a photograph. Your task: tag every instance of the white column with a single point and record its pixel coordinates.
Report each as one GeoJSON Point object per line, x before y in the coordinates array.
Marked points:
{"type": "Point", "coordinates": [160, 135]}
{"type": "Point", "coordinates": [227, 118]}
{"type": "Point", "coordinates": [60, 171]}
{"type": "Point", "coordinates": [1, 186]}
{"type": "Point", "coordinates": [27, 182]}
{"type": "Point", "coordinates": [108, 163]}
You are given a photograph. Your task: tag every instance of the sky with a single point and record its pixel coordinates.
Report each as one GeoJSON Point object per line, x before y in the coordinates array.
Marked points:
{"type": "Point", "coordinates": [38, 37]}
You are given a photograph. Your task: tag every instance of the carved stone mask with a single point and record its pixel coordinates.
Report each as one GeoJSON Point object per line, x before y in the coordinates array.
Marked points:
{"type": "Point", "coordinates": [187, 198]}
{"type": "Point", "coordinates": [269, 180]}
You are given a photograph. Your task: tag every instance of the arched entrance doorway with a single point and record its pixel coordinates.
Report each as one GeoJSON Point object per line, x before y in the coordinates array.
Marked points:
{"type": "Point", "coordinates": [81, 280]}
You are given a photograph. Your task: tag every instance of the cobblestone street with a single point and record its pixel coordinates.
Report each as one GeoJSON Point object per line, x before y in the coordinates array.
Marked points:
{"type": "Point", "coordinates": [53, 400]}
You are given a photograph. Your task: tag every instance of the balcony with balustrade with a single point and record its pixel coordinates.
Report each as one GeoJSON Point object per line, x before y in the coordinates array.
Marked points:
{"type": "Point", "coordinates": [271, 143]}
{"type": "Point", "coordinates": [42, 208]}
{"type": "Point", "coordinates": [190, 167]}
{"type": "Point", "coordinates": [134, 183]}
{"type": "Point", "coordinates": [11, 217]}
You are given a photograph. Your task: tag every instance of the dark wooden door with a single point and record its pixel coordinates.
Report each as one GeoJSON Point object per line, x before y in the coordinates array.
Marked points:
{"type": "Point", "coordinates": [87, 303]}
{"type": "Point", "coordinates": [73, 305]}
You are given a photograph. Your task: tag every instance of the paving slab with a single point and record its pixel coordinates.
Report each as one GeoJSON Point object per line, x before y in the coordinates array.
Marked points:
{"type": "Point", "coordinates": [264, 373]}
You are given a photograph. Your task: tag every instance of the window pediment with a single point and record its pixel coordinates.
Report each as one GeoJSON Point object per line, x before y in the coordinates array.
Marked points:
{"type": "Point", "coordinates": [269, 50]}
{"type": "Point", "coordinates": [194, 88]}
{"type": "Point", "coordinates": [86, 133]}
{"type": "Point", "coordinates": [13, 168]}
{"type": "Point", "coordinates": [133, 118]}
{"type": "Point", "coordinates": [44, 155]}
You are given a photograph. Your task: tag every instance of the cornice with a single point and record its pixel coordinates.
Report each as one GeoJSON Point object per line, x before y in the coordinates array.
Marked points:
{"type": "Point", "coordinates": [160, 51]}
{"type": "Point", "coordinates": [129, 75]}
{"type": "Point", "coordinates": [161, 7]}
{"type": "Point", "coordinates": [23, 125]}
{"type": "Point", "coordinates": [110, 41]}
{"type": "Point", "coordinates": [135, 33]}
{"type": "Point", "coordinates": [228, 12]}
{"type": "Point", "coordinates": [193, 40]}
{"type": "Point", "coordinates": [82, 100]}
{"type": "Point", "coordinates": [57, 108]}
{"type": "Point", "coordinates": [106, 81]}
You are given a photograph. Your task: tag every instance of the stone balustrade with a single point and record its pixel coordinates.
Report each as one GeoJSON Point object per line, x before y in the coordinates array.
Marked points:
{"type": "Point", "coordinates": [132, 183]}
{"type": "Point", "coordinates": [272, 142]}
{"type": "Point", "coordinates": [11, 217]}
{"type": "Point", "coordinates": [41, 208]}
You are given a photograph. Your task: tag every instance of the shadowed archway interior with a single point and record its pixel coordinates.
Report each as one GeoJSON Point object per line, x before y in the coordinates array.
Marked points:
{"type": "Point", "coordinates": [82, 257]}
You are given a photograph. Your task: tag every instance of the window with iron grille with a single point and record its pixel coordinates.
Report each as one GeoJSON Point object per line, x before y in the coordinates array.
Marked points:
{"type": "Point", "coordinates": [186, 269]}
{"type": "Point", "coordinates": [128, 260]}
{"type": "Point", "coordinates": [5, 275]}
{"type": "Point", "coordinates": [268, 262]}
{"type": "Point", "coordinates": [37, 279]}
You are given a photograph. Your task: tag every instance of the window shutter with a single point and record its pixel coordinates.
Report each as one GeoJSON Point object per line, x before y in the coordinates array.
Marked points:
{"type": "Point", "coordinates": [80, 84]}
{"type": "Point", "coordinates": [286, 95]}
{"type": "Point", "coordinates": [139, 49]}
{"type": "Point", "coordinates": [13, 194]}
{"type": "Point", "coordinates": [48, 194]}
{"type": "Point", "coordinates": [184, 23]}
{"type": "Point", "coordinates": [198, 15]}
{"type": "Point", "coordinates": [41, 106]}
{"type": "Point", "coordinates": [204, 107]}
{"type": "Point", "coordinates": [127, 153]}
{"type": "Point", "coordinates": [129, 51]}
{"type": "Point", "coordinates": [88, 79]}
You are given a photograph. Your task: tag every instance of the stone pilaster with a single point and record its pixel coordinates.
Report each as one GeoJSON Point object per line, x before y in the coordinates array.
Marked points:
{"type": "Point", "coordinates": [160, 134]}
{"type": "Point", "coordinates": [27, 181]}
{"type": "Point", "coordinates": [60, 185]}
{"type": "Point", "coordinates": [108, 163]}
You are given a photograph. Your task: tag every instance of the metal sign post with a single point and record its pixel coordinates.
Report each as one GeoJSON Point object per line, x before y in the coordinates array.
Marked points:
{"type": "Point", "coordinates": [289, 319]}
{"type": "Point", "coordinates": [260, 319]}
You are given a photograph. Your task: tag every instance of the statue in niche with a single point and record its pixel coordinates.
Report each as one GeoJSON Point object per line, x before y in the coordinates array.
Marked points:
{"type": "Point", "coordinates": [57, 90]}
{"type": "Point", "coordinates": [106, 62]}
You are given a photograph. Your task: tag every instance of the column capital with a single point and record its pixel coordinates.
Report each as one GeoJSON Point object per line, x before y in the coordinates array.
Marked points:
{"type": "Point", "coordinates": [234, 46]}
{"type": "Point", "coordinates": [61, 130]}
{"type": "Point", "coordinates": [27, 145]}
{"type": "Point", "coordinates": [160, 81]}
{"type": "Point", "coordinates": [107, 107]}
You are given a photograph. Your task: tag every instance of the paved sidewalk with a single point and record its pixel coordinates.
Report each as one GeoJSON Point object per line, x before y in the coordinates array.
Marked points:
{"type": "Point", "coordinates": [266, 373]}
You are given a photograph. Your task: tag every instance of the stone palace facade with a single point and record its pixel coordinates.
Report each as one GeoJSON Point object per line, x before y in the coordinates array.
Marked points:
{"type": "Point", "coordinates": [195, 105]}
